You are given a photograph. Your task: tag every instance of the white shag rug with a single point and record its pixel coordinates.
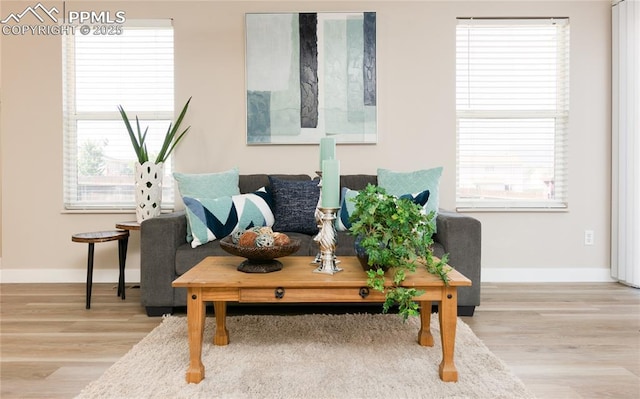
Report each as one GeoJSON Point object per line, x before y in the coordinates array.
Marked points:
{"type": "Point", "coordinates": [309, 356]}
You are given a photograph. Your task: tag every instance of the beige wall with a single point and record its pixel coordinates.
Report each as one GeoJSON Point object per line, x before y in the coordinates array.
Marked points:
{"type": "Point", "coordinates": [416, 119]}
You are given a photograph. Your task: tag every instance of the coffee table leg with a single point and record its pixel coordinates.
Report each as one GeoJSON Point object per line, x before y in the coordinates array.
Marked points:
{"type": "Point", "coordinates": [195, 323]}
{"type": "Point", "coordinates": [424, 335]}
{"type": "Point", "coordinates": [448, 315]}
{"type": "Point", "coordinates": [221, 336]}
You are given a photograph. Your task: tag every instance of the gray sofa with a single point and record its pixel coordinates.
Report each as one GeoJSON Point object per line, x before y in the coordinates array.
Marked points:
{"type": "Point", "coordinates": [165, 253]}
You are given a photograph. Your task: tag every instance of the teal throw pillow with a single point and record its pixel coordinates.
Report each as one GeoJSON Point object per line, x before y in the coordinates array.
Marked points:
{"type": "Point", "coordinates": [208, 185]}
{"type": "Point", "coordinates": [212, 218]}
{"type": "Point", "coordinates": [400, 183]}
{"type": "Point", "coordinates": [347, 206]}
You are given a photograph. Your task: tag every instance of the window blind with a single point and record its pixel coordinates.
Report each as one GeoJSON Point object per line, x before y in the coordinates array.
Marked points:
{"type": "Point", "coordinates": [512, 109]}
{"type": "Point", "coordinates": [133, 69]}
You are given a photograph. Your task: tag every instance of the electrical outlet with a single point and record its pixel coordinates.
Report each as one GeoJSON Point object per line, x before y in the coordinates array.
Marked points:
{"type": "Point", "coordinates": [588, 237]}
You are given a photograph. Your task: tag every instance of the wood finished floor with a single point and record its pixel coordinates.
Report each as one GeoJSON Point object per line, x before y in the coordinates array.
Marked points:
{"type": "Point", "coordinates": [563, 340]}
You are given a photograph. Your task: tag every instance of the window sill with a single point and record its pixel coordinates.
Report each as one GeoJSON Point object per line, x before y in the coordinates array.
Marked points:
{"type": "Point", "coordinates": [464, 209]}
{"type": "Point", "coordinates": [106, 211]}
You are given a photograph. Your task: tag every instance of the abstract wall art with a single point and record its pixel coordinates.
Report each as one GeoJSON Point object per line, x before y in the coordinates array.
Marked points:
{"type": "Point", "coordinates": [311, 75]}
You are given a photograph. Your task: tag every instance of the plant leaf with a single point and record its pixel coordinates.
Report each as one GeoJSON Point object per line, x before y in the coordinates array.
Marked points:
{"type": "Point", "coordinates": [137, 145]}
{"type": "Point", "coordinates": [169, 143]}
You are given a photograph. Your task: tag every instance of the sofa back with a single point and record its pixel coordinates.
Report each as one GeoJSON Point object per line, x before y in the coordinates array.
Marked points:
{"type": "Point", "coordinates": [251, 183]}
{"type": "Point", "coordinates": [357, 182]}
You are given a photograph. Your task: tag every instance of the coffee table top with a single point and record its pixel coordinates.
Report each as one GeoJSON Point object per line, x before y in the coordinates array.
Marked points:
{"type": "Point", "coordinates": [220, 271]}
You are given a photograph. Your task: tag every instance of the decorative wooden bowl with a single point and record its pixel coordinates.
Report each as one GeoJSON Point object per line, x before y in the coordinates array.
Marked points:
{"type": "Point", "coordinates": [260, 259]}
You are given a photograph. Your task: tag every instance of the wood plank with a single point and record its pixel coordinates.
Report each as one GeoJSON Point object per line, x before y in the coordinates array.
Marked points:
{"type": "Point", "coordinates": [297, 271]}
{"type": "Point", "coordinates": [571, 341]}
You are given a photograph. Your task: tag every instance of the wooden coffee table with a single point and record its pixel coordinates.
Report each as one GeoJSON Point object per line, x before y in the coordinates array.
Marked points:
{"type": "Point", "coordinates": [216, 280]}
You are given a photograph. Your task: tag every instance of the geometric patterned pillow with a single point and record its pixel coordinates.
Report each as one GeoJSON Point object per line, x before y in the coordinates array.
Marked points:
{"type": "Point", "coordinates": [346, 209]}
{"type": "Point", "coordinates": [343, 221]}
{"type": "Point", "coordinates": [213, 218]}
{"type": "Point", "coordinates": [207, 185]}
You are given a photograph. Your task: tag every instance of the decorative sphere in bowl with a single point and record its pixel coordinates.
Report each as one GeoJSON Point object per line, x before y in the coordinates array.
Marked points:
{"type": "Point", "coordinates": [260, 259]}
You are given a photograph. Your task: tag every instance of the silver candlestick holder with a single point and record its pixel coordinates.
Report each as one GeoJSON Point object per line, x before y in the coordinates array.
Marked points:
{"type": "Point", "coordinates": [318, 216]}
{"type": "Point", "coordinates": [327, 241]}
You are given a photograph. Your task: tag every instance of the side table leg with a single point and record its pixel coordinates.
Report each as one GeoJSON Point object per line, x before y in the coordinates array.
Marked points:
{"type": "Point", "coordinates": [122, 258]}
{"type": "Point", "coordinates": [448, 315]}
{"type": "Point", "coordinates": [221, 336]}
{"type": "Point", "coordinates": [89, 275]}
{"type": "Point", "coordinates": [424, 335]}
{"type": "Point", "coordinates": [195, 323]}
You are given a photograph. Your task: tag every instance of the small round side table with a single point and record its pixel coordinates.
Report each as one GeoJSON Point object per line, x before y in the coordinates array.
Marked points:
{"type": "Point", "coordinates": [128, 225]}
{"type": "Point", "coordinates": [122, 236]}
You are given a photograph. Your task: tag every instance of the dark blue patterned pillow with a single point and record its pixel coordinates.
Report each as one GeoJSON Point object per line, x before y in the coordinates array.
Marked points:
{"type": "Point", "coordinates": [294, 205]}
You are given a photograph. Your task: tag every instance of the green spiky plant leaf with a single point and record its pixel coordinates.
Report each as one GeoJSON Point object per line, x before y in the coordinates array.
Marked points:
{"type": "Point", "coordinates": [171, 138]}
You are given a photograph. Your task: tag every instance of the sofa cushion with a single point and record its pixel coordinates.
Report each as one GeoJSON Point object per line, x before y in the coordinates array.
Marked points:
{"type": "Point", "coordinates": [294, 205]}
{"type": "Point", "coordinates": [345, 244]}
{"type": "Point", "coordinates": [213, 218]}
{"type": "Point", "coordinates": [187, 257]}
{"type": "Point", "coordinates": [399, 183]}
{"type": "Point", "coordinates": [308, 247]}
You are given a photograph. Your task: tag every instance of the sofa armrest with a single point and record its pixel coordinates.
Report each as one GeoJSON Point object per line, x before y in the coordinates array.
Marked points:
{"type": "Point", "coordinates": [160, 237]}
{"type": "Point", "coordinates": [461, 237]}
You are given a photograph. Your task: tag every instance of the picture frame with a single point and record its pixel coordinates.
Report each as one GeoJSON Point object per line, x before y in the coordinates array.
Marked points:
{"type": "Point", "coordinates": [311, 75]}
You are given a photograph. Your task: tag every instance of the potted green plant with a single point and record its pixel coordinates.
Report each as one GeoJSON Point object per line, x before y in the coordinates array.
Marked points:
{"type": "Point", "coordinates": [394, 234]}
{"type": "Point", "coordinates": [148, 173]}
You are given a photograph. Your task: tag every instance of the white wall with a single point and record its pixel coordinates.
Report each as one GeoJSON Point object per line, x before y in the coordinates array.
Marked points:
{"type": "Point", "coordinates": [416, 120]}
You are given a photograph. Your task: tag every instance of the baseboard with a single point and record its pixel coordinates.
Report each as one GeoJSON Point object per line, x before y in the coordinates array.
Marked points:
{"type": "Point", "coordinates": [132, 276]}
{"type": "Point", "coordinates": [546, 275]}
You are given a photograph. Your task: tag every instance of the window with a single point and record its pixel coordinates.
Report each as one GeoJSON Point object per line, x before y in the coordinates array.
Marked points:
{"type": "Point", "coordinates": [512, 109]}
{"type": "Point", "coordinates": [135, 70]}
